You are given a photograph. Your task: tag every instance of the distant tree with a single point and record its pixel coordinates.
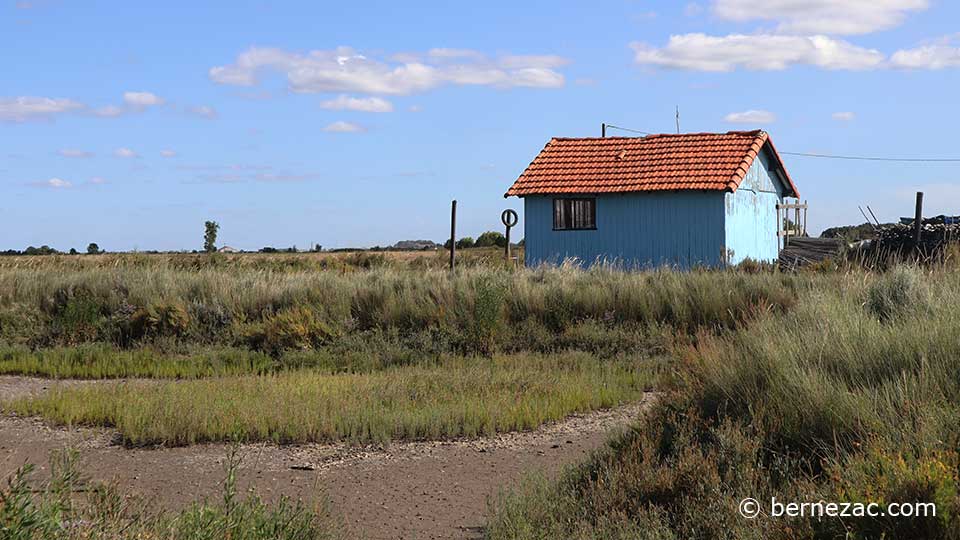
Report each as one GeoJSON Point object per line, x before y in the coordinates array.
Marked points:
{"type": "Point", "coordinates": [268, 249]}
{"type": "Point", "coordinates": [465, 242]}
{"type": "Point", "coordinates": [93, 248]}
{"type": "Point", "coordinates": [446, 245]}
{"type": "Point", "coordinates": [317, 248]}
{"type": "Point", "coordinates": [73, 251]}
{"type": "Point", "coordinates": [42, 250]}
{"type": "Point", "coordinates": [491, 239]}
{"type": "Point", "coordinates": [210, 236]}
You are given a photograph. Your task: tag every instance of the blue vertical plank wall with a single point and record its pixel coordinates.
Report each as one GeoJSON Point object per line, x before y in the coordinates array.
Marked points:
{"type": "Point", "coordinates": [680, 229]}
{"type": "Point", "coordinates": [751, 215]}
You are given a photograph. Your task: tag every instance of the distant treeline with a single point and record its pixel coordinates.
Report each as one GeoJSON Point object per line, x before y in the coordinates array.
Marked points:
{"type": "Point", "coordinates": [853, 233]}
{"type": "Point", "coordinates": [487, 239]}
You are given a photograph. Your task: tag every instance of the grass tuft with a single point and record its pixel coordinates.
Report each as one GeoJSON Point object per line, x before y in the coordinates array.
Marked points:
{"type": "Point", "coordinates": [465, 397]}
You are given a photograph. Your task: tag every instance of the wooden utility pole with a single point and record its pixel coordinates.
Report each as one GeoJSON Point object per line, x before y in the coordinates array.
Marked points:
{"type": "Point", "coordinates": [453, 234]}
{"type": "Point", "coordinates": [918, 220]}
{"type": "Point", "coordinates": [804, 230]}
{"type": "Point", "coordinates": [603, 131]}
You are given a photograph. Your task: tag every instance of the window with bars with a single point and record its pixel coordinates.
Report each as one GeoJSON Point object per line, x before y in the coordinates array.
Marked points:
{"type": "Point", "coordinates": [574, 214]}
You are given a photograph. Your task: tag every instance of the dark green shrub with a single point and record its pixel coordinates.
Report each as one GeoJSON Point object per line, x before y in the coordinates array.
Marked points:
{"type": "Point", "coordinates": [298, 328]}
{"type": "Point", "coordinates": [488, 312]}
{"type": "Point", "coordinates": [209, 322]}
{"type": "Point", "coordinates": [162, 319]}
{"type": "Point", "coordinates": [76, 315]}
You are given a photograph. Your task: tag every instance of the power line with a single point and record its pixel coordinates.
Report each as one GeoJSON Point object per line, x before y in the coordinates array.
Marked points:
{"type": "Point", "coordinates": [874, 158]}
{"type": "Point", "coordinates": [813, 155]}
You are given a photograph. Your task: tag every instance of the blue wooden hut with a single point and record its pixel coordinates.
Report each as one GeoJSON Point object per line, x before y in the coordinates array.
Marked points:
{"type": "Point", "coordinates": [680, 200]}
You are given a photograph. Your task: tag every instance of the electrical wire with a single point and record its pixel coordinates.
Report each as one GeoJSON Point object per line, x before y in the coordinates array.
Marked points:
{"type": "Point", "coordinates": [833, 156]}
{"type": "Point", "coordinates": [874, 158]}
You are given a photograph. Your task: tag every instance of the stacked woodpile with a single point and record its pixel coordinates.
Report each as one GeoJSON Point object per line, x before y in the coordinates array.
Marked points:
{"type": "Point", "coordinates": [935, 233]}
{"type": "Point", "coordinates": [802, 251]}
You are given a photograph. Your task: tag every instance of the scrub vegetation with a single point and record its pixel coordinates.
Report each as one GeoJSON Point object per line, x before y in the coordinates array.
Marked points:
{"type": "Point", "coordinates": [851, 396]}
{"type": "Point", "coordinates": [155, 319]}
{"type": "Point", "coordinates": [837, 384]}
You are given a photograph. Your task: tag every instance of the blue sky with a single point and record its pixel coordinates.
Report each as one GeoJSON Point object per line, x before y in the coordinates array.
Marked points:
{"type": "Point", "coordinates": [354, 124]}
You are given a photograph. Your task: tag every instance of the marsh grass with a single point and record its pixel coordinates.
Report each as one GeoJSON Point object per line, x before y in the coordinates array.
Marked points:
{"type": "Point", "coordinates": [274, 311]}
{"type": "Point", "coordinates": [68, 507]}
{"type": "Point", "coordinates": [101, 361]}
{"type": "Point", "coordinates": [460, 397]}
{"type": "Point", "coordinates": [832, 400]}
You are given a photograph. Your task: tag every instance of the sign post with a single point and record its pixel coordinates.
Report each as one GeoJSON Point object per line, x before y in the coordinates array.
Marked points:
{"type": "Point", "coordinates": [509, 219]}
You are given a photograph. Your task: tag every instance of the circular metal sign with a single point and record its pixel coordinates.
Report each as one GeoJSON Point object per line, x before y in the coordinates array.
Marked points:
{"type": "Point", "coordinates": [509, 218]}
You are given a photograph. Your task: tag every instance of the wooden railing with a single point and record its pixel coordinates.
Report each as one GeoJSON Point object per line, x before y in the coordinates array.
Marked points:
{"type": "Point", "coordinates": [797, 226]}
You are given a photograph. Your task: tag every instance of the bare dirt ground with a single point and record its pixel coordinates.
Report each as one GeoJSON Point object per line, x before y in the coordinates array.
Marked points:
{"type": "Point", "coordinates": [428, 490]}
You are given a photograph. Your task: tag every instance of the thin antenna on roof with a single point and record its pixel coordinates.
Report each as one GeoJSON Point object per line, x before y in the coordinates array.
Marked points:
{"type": "Point", "coordinates": [678, 119]}
{"type": "Point", "coordinates": [603, 131]}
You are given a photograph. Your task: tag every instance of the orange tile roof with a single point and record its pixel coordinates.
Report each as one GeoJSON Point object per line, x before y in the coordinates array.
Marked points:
{"type": "Point", "coordinates": [689, 161]}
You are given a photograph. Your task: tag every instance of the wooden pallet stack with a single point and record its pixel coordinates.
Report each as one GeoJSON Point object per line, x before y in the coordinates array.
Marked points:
{"type": "Point", "coordinates": [801, 252]}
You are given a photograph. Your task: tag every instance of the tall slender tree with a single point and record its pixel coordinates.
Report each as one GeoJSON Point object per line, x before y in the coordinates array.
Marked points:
{"type": "Point", "coordinates": [210, 236]}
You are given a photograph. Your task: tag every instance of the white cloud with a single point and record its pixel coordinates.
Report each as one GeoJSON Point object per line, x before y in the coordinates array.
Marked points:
{"type": "Point", "coordinates": [98, 180]}
{"type": "Point", "coordinates": [370, 104]}
{"type": "Point", "coordinates": [345, 70]}
{"type": "Point", "coordinates": [125, 153]}
{"type": "Point", "coordinates": [752, 116]}
{"type": "Point", "coordinates": [934, 56]}
{"type": "Point", "coordinates": [343, 127]}
{"type": "Point", "coordinates": [168, 153]}
{"type": "Point", "coordinates": [533, 61]}
{"type": "Point", "coordinates": [23, 108]}
{"type": "Point", "coordinates": [109, 111]}
{"type": "Point", "coordinates": [142, 99]}
{"type": "Point", "coordinates": [845, 116]}
{"type": "Point", "coordinates": [838, 17]}
{"type": "Point", "coordinates": [74, 153]}
{"type": "Point", "coordinates": [762, 52]}
{"type": "Point", "coordinates": [57, 183]}
{"type": "Point", "coordinates": [203, 111]}
{"type": "Point", "coordinates": [442, 52]}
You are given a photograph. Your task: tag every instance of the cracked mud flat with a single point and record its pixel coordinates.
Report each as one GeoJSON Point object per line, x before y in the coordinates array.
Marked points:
{"type": "Point", "coordinates": [428, 490]}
